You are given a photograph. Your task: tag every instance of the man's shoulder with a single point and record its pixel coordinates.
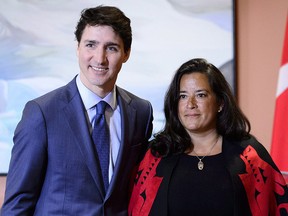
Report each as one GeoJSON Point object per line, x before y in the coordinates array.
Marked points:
{"type": "Point", "coordinates": [63, 92]}
{"type": "Point", "coordinates": [131, 97]}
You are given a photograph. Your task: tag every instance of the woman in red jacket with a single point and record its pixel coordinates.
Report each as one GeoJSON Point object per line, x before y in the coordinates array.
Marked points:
{"type": "Point", "coordinates": [205, 161]}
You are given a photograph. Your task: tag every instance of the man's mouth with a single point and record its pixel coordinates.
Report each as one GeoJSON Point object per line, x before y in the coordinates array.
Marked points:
{"type": "Point", "coordinates": [100, 69]}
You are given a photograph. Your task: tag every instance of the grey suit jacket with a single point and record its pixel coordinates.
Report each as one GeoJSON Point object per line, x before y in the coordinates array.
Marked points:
{"type": "Point", "coordinates": [54, 168]}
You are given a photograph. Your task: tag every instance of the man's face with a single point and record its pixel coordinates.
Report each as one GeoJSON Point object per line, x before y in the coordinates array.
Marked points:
{"type": "Point", "coordinates": [101, 55]}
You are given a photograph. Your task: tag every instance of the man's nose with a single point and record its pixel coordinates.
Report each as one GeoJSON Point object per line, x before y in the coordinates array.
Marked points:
{"type": "Point", "coordinates": [100, 55]}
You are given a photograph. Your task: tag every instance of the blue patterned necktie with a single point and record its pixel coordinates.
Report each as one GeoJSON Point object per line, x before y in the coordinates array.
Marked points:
{"type": "Point", "coordinates": [100, 137]}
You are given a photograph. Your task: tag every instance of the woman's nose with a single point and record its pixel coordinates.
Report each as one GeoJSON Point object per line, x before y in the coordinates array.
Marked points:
{"type": "Point", "coordinates": [191, 103]}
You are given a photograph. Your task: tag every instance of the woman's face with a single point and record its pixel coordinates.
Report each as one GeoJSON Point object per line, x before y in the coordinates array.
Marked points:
{"type": "Point", "coordinates": [197, 106]}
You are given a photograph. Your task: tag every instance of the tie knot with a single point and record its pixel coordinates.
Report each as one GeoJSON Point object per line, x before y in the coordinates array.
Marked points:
{"type": "Point", "coordinates": [100, 107]}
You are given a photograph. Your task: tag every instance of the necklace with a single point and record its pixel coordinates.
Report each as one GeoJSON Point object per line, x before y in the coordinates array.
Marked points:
{"type": "Point", "coordinates": [200, 163]}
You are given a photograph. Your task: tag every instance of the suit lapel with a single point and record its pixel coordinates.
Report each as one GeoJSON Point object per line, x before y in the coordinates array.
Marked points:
{"type": "Point", "coordinates": [165, 170]}
{"type": "Point", "coordinates": [128, 116]}
{"type": "Point", "coordinates": [74, 112]}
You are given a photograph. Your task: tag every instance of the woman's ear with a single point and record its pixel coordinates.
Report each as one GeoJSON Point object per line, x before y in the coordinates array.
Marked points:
{"type": "Point", "coordinates": [220, 109]}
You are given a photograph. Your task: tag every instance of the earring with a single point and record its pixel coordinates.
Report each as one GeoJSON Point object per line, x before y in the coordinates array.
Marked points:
{"type": "Point", "coordinates": [220, 109]}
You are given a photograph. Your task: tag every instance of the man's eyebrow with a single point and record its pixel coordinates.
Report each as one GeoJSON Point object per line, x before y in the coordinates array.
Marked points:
{"type": "Point", "coordinates": [106, 44]}
{"type": "Point", "coordinates": [90, 41]}
{"type": "Point", "coordinates": [112, 44]}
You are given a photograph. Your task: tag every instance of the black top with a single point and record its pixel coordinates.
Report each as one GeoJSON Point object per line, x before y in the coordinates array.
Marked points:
{"type": "Point", "coordinates": [200, 192]}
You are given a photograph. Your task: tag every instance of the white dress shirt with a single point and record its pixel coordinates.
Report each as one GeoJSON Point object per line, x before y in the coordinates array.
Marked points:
{"type": "Point", "coordinates": [112, 114]}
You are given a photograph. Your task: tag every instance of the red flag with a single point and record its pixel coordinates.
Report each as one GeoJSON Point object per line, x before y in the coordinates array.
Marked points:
{"type": "Point", "coordinates": [279, 146]}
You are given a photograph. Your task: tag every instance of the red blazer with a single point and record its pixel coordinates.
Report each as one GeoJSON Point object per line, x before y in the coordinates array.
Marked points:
{"type": "Point", "coordinates": [255, 193]}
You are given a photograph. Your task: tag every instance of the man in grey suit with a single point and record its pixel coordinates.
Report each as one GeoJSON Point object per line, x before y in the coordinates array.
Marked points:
{"type": "Point", "coordinates": [55, 168]}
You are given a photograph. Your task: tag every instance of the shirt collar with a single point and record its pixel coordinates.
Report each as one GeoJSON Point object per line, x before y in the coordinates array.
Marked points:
{"type": "Point", "coordinates": [90, 99]}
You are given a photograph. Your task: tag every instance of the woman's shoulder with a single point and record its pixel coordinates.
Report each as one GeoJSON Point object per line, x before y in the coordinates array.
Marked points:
{"type": "Point", "coordinates": [149, 156]}
{"type": "Point", "coordinates": [252, 141]}
{"type": "Point", "coordinates": [149, 160]}
{"type": "Point", "coordinates": [246, 144]}
{"type": "Point", "coordinates": [248, 140]}
{"type": "Point", "coordinates": [250, 146]}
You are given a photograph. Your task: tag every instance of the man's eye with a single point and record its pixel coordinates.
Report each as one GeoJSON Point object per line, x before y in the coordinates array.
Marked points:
{"type": "Point", "coordinates": [89, 45]}
{"type": "Point", "coordinates": [112, 48]}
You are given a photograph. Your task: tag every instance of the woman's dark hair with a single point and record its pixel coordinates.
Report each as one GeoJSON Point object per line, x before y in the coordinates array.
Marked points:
{"type": "Point", "coordinates": [106, 16]}
{"type": "Point", "coordinates": [231, 122]}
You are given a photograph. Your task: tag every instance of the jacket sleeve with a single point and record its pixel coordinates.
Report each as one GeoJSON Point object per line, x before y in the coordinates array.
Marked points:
{"type": "Point", "coordinates": [264, 184]}
{"type": "Point", "coordinates": [27, 164]}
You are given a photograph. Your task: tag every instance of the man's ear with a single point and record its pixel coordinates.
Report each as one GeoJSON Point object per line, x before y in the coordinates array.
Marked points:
{"type": "Point", "coordinates": [127, 55]}
{"type": "Point", "coordinates": [77, 49]}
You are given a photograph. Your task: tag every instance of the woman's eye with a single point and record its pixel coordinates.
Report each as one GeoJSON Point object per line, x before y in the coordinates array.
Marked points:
{"type": "Point", "coordinates": [201, 95]}
{"type": "Point", "coordinates": [182, 96]}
